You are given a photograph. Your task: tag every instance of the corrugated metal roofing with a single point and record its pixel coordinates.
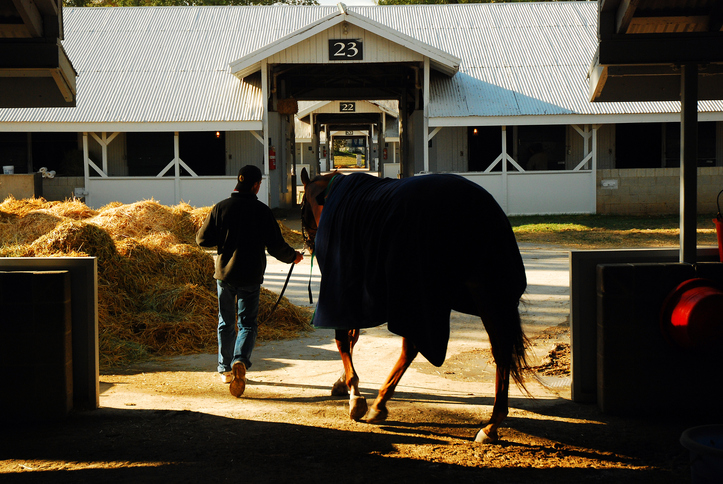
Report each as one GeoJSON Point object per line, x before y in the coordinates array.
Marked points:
{"type": "Point", "coordinates": [171, 64]}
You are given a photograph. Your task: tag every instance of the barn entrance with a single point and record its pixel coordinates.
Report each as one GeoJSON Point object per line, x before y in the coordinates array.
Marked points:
{"type": "Point", "coordinates": [346, 134]}
{"type": "Point", "coordinates": [343, 58]}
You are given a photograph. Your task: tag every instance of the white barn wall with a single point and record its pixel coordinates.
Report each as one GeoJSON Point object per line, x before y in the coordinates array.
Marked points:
{"type": "Point", "coordinates": [416, 139]}
{"type": "Point", "coordinates": [117, 153]}
{"type": "Point", "coordinates": [118, 156]}
{"type": "Point", "coordinates": [575, 150]}
{"type": "Point", "coordinates": [606, 146]}
{"type": "Point", "coordinates": [449, 150]}
{"type": "Point", "coordinates": [315, 50]}
{"type": "Point", "coordinates": [242, 148]}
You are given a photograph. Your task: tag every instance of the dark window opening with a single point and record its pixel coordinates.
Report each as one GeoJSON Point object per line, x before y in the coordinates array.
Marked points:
{"type": "Point", "coordinates": [57, 152]}
{"type": "Point", "coordinates": [485, 145]}
{"type": "Point", "coordinates": [14, 151]}
{"type": "Point", "coordinates": [706, 144]}
{"type": "Point", "coordinates": [541, 147]}
{"type": "Point", "coordinates": [204, 152]}
{"type": "Point", "coordinates": [149, 153]}
{"type": "Point", "coordinates": [638, 145]}
{"type": "Point", "coordinates": [28, 152]}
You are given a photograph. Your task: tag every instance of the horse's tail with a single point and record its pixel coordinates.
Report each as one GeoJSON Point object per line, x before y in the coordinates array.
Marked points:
{"type": "Point", "coordinates": [508, 341]}
{"type": "Point", "coordinates": [518, 357]}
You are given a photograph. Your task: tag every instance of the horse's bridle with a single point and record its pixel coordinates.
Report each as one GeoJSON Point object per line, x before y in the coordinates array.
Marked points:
{"type": "Point", "coordinates": [308, 224]}
{"type": "Point", "coordinates": [308, 221]}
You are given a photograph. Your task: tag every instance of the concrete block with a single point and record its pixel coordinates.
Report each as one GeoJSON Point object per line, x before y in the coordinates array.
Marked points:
{"type": "Point", "coordinates": [84, 295]}
{"type": "Point", "coordinates": [637, 365]}
{"type": "Point", "coordinates": [38, 364]}
{"type": "Point", "coordinates": [21, 186]}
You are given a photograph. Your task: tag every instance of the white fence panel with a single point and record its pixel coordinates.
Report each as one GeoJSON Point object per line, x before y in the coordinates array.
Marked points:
{"type": "Point", "coordinates": [492, 182]}
{"type": "Point", "coordinates": [207, 191]}
{"type": "Point", "coordinates": [550, 193]}
{"type": "Point", "coordinates": [196, 191]}
{"type": "Point", "coordinates": [538, 193]}
{"type": "Point", "coordinates": [102, 191]}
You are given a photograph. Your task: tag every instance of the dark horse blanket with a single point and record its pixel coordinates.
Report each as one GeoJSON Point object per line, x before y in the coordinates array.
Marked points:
{"type": "Point", "coordinates": [406, 252]}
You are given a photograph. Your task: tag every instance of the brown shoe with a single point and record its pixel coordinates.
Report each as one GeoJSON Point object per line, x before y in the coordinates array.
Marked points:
{"type": "Point", "coordinates": [238, 385]}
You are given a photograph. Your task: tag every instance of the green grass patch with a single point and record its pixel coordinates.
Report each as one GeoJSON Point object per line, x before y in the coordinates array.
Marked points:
{"type": "Point", "coordinates": [608, 231]}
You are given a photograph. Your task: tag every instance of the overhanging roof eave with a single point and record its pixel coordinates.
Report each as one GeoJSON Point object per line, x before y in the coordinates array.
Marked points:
{"type": "Point", "coordinates": [112, 127]}
{"type": "Point", "coordinates": [441, 61]}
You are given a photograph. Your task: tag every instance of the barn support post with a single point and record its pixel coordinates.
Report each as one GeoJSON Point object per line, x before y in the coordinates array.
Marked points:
{"type": "Point", "coordinates": [593, 169]}
{"type": "Point", "coordinates": [86, 170]}
{"type": "Point", "coordinates": [403, 151]}
{"type": "Point", "coordinates": [688, 161]}
{"type": "Point", "coordinates": [265, 122]}
{"type": "Point", "coordinates": [176, 168]}
{"type": "Point", "coordinates": [425, 116]}
{"type": "Point", "coordinates": [505, 204]}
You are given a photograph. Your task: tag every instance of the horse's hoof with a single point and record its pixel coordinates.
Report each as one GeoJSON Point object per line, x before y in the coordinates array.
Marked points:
{"type": "Point", "coordinates": [357, 407]}
{"type": "Point", "coordinates": [376, 416]}
{"type": "Point", "coordinates": [483, 438]}
{"type": "Point", "coordinates": [339, 389]}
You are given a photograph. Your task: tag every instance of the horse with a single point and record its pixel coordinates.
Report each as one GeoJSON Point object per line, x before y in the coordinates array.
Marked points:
{"type": "Point", "coordinates": [389, 250]}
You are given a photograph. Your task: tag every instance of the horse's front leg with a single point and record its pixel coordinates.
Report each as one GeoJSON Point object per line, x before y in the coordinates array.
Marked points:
{"type": "Point", "coordinates": [345, 340]}
{"type": "Point", "coordinates": [488, 433]}
{"type": "Point", "coordinates": [379, 412]}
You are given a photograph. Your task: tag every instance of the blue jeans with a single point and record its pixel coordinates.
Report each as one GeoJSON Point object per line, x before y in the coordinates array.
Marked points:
{"type": "Point", "coordinates": [236, 306]}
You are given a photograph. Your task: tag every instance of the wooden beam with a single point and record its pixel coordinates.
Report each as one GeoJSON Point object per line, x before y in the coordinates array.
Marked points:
{"type": "Point", "coordinates": [31, 16]}
{"type": "Point", "coordinates": [699, 48]}
{"type": "Point", "coordinates": [679, 24]}
{"type": "Point", "coordinates": [624, 15]}
{"type": "Point", "coordinates": [715, 21]}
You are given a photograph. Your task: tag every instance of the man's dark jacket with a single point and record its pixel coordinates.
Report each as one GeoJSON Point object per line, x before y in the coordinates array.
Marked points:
{"type": "Point", "coordinates": [241, 227]}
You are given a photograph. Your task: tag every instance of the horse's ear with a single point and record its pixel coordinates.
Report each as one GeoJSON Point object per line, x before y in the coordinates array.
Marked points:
{"type": "Point", "coordinates": [304, 176]}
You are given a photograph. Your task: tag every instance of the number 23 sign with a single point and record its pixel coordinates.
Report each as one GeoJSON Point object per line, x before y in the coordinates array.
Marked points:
{"type": "Point", "coordinates": [345, 49]}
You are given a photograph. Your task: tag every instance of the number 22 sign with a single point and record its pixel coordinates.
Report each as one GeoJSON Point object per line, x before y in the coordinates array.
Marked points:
{"type": "Point", "coordinates": [345, 49]}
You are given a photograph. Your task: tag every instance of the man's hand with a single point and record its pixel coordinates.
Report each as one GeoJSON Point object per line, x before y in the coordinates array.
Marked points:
{"type": "Point", "coordinates": [299, 257]}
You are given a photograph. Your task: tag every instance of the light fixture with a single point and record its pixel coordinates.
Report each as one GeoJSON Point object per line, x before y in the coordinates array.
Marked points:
{"type": "Point", "coordinates": [218, 134]}
{"type": "Point", "coordinates": [474, 132]}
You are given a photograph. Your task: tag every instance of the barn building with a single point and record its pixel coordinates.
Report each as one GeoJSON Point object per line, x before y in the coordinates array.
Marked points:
{"type": "Point", "coordinates": [171, 101]}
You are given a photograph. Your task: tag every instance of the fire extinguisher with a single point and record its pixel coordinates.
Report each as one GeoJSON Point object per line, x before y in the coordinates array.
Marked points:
{"type": "Point", "coordinates": [384, 153]}
{"type": "Point", "coordinates": [272, 158]}
{"type": "Point", "coordinates": [324, 152]}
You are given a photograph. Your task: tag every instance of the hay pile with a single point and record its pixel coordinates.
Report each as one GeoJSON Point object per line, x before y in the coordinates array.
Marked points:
{"type": "Point", "coordinates": [156, 292]}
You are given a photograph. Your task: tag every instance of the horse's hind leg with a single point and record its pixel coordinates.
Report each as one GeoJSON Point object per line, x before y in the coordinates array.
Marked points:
{"type": "Point", "coordinates": [345, 340]}
{"type": "Point", "coordinates": [379, 412]}
{"type": "Point", "coordinates": [488, 433]}
{"type": "Point", "coordinates": [508, 349]}
{"type": "Point", "coordinates": [340, 388]}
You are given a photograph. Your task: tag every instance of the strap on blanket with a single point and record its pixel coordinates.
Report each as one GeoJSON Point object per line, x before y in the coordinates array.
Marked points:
{"type": "Point", "coordinates": [328, 187]}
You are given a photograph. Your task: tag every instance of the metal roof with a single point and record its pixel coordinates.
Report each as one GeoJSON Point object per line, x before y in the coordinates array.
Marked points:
{"type": "Point", "coordinates": [151, 65]}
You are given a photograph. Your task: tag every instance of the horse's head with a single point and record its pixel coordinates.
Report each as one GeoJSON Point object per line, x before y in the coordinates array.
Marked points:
{"type": "Point", "coordinates": [312, 204]}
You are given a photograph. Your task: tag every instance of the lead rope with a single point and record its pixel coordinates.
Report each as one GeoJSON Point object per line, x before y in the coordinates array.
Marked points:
{"type": "Point", "coordinates": [281, 294]}
{"type": "Point", "coordinates": [311, 271]}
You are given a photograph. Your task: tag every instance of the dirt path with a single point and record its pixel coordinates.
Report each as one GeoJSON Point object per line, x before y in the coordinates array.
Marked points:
{"type": "Point", "coordinates": [173, 421]}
